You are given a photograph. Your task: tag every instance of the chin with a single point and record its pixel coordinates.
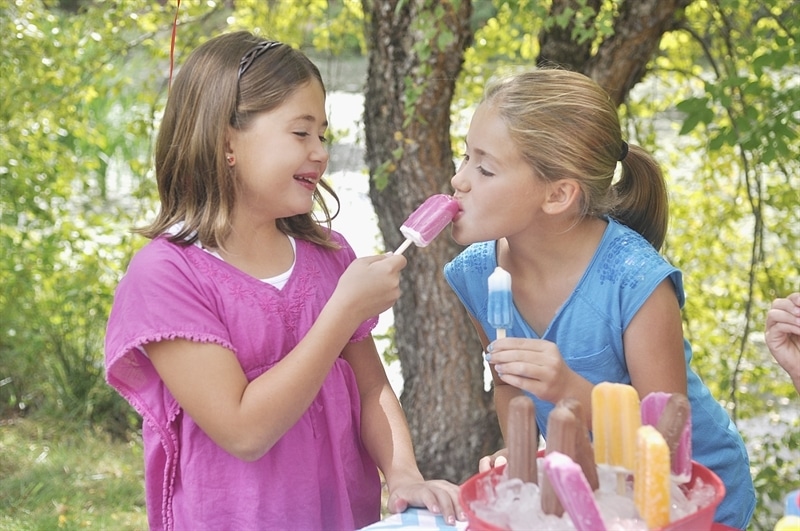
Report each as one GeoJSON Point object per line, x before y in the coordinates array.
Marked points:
{"type": "Point", "coordinates": [460, 237]}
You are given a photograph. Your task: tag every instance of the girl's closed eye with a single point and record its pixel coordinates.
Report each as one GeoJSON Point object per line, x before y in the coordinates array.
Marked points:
{"type": "Point", "coordinates": [483, 171]}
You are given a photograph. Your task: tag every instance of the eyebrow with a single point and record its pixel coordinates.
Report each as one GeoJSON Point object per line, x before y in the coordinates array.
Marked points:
{"type": "Point", "coordinates": [311, 119]}
{"type": "Point", "coordinates": [482, 153]}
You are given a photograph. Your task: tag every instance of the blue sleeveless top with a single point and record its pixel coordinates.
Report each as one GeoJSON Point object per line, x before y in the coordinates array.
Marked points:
{"type": "Point", "coordinates": [588, 329]}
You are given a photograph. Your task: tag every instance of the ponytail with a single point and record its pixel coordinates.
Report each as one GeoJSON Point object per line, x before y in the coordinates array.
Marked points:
{"type": "Point", "coordinates": [642, 202]}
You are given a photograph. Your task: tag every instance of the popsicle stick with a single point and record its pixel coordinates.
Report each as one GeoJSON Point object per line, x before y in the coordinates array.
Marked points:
{"type": "Point", "coordinates": [403, 246]}
{"type": "Point", "coordinates": [501, 333]}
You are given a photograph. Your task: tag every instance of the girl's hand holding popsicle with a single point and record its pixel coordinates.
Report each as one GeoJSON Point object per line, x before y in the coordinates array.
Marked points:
{"type": "Point", "coordinates": [536, 366]}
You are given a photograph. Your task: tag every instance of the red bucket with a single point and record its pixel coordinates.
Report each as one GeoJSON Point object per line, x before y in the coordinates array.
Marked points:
{"type": "Point", "coordinates": [702, 520]}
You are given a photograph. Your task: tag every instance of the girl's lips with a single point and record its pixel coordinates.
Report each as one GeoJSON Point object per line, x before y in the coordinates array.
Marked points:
{"type": "Point", "coordinates": [307, 181]}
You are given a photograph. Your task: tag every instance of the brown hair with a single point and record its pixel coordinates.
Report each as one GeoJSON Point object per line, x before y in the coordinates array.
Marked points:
{"type": "Point", "coordinates": [195, 183]}
{"type": "Point", "coordinates": [566, 126]}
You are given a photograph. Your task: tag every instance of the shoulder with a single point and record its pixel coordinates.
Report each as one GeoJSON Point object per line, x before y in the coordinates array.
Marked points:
{"type": "Point", "coordinates": [314, 255]}
{"type": "Point", "coordinates": [624, 252]}
{"type": "Point", "coordinates": [158, 257]}
{"type": "Point", "coordinates": [627, 261]}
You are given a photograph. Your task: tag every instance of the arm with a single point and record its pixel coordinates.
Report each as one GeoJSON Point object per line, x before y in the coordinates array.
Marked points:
{"type": "Point", "coordinates": [247, 418]}
{"type": "Point", "coordinates": [783, 335]}
{"type": "Point", "coordinates": [653, 342]}
{"type": "Point", "coordinates": [386, 437]}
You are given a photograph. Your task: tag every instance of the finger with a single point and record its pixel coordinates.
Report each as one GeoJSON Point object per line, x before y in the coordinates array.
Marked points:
{"type": "Point", "coordinates": [396, 504]}
{"type": "Point", "coordinates": [448, 508]}
{"type": "Point", "coordinates": [485, 464]}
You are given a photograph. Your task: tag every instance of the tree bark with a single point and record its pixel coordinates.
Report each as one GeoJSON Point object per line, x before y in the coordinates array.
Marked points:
{"type": "Point", "coordinates": [450, 415]}
{"type": "Point", "coordinates": [407, 136]}
{"type": "Point", "coordinates": [621, 60]}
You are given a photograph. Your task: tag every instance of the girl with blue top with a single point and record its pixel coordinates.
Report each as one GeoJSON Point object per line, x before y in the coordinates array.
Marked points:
{"type": "Point", "coordinates": [593, 299]}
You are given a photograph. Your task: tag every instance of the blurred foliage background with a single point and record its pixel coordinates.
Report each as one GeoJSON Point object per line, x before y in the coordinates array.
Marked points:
{"type": "Point", "coordinates": [82, 85]}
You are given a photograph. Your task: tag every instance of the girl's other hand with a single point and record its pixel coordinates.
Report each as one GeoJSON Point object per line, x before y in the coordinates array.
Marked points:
{"type": "Point", "coordinates": [499, 458]}
{"type": "Point", "coordinates": [783, 334]}
{"type": "Point", "coordinates": [438, 496]}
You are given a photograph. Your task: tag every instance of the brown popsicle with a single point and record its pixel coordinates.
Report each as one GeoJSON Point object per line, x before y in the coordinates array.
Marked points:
{"type": "Point", "coordinates": [523, 440]}
{"type": "Point", "coordinates": [562, 428]}
{"type": "Point", "coordinates": [583, 445]}
{"type": "Point", "coordinates": [671, 424]}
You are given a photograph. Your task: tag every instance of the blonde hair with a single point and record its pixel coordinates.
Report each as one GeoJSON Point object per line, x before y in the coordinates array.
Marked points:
{"type": "Point", "coordinates": [566, 126]}
{"type": "Point", "coordinates": [195, 184]}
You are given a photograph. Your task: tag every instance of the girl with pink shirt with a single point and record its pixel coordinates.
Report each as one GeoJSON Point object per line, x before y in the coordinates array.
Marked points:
{"type": "Point", "coordinates": [242, 331]}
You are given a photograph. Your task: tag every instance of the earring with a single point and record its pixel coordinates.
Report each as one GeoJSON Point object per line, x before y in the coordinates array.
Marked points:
{"type": "Point", "coordinates": [230, 159]}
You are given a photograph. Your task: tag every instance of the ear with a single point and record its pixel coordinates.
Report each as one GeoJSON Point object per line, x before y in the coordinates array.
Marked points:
{"type": "Point", "coordinates": [561, 195]}
{"type": "Point", "coordinates": [229, 156]}
{"type": "Point", "coordinates": [230, 134]}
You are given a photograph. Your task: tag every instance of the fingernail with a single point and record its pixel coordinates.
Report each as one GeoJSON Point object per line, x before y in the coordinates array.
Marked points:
{"type": "Point", "coordinates": [490, 347]}
{"type": "Point", "coordinates": [451, 520]}
{"type": "Point", "coordinates": [487, 357]}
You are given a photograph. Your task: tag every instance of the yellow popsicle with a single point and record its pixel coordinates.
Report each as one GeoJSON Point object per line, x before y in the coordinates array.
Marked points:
{"type": "Point", "coordinates": [615, 419]}
{"type": "Point", "coordinates": [651, 477]}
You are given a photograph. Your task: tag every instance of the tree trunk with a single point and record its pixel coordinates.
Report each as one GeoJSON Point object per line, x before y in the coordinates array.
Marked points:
{"type": "Point", "coordinates": [416, 54]}
{"type": "Point", "coordinates": [451, 416]}
{"type": "Point", "coordinates": [621, 59]}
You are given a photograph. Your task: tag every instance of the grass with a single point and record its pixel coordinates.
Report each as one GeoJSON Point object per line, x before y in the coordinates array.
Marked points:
{"type": "Point", "coordinates": [70, 478]}
{"type": "Point", "coordinates": [63, 477]}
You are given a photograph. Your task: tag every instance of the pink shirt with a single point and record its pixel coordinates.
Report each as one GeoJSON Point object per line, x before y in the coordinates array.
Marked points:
{"type": "Point", "coordinates": [318, 475]}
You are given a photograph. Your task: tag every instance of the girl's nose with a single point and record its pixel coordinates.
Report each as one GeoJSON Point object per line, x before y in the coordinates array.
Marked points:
{"type": "Point", "coordinates": [320, 153]}
{"type": "Point", "coordinates": [458, 181]}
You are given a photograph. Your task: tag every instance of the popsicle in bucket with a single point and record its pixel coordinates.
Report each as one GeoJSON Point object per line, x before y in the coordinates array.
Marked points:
{"type": "Point", "coordinates": [562, 430]}
{"type": "Point", "coordinates": [584, 453]}
{"type": "Point", "coordinates": [573, 490]}
{"type": "Point", "coordinates": [615, 420]}
{"type": "Point", "coordinates": [670, 413]}
{"type": "Point", "coordinates": [500, 308]}
{"type": "Point", "coordinates": [523, 440]}
{"type": "Point", "coordinates": [651, 479]}
{"type": "Point", "coordinates": [427, 221]}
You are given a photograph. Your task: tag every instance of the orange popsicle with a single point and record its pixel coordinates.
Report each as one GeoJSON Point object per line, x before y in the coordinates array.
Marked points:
{"type": "Point", "coordinates": [651, 478]}
{"type": "Point", "coordinates": [523, 440]}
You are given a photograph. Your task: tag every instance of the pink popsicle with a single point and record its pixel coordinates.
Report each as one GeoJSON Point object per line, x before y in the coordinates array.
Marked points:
{"type": "Point", "coordinates": [574, 491]}
{"type": "Point", "coordinates": [427, 221]}
{"type": "Point", "coordinates": [670, 413]}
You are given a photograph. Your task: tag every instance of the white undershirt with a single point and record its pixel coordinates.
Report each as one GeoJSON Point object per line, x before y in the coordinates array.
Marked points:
{"type": "Point", "coordinates": [278, 281]}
